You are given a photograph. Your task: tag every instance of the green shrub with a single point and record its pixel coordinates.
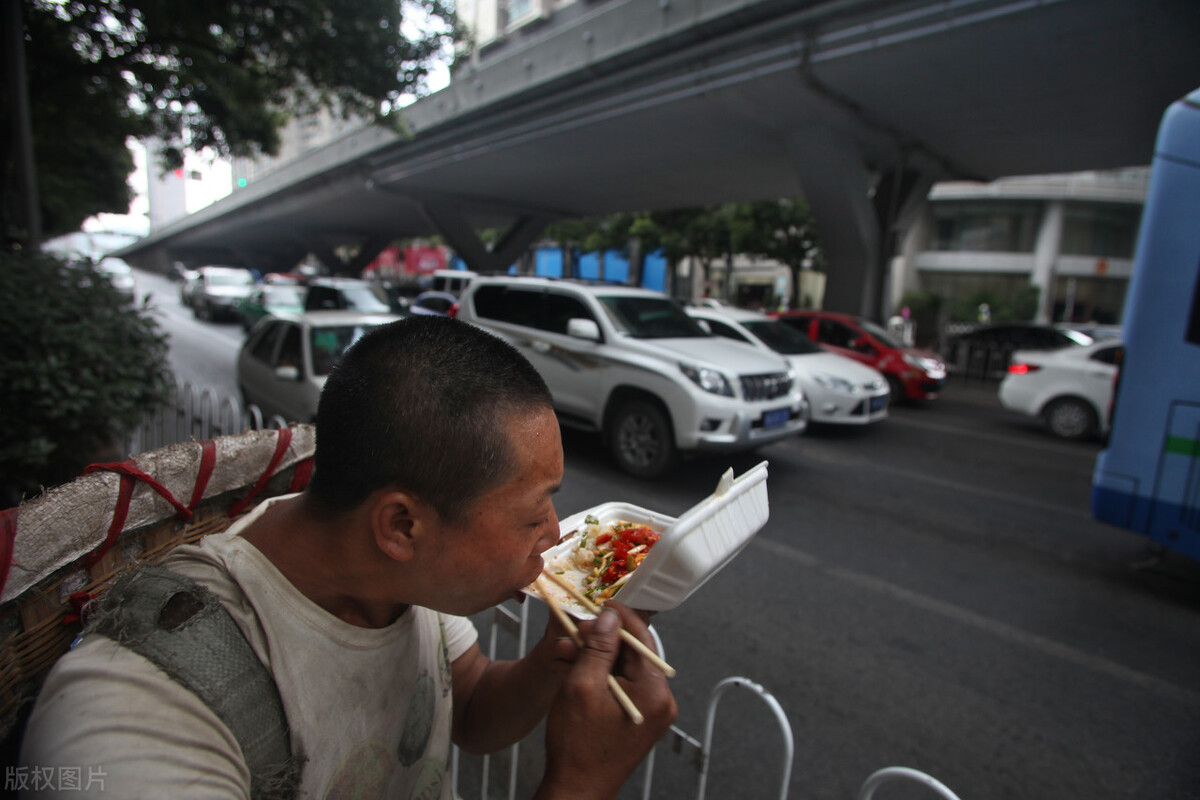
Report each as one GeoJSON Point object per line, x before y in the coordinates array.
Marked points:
{"type": "Point", "coordinates": [1020, 305]}
{"type": "Point", "coordinates": [80, 368]}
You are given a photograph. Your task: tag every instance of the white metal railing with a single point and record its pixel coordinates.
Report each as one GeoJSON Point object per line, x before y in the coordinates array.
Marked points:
{"type": "Point", "coordinates": [785, 729]}
{"type": "Point", "coordinates": [697, 754]}
{"type": "Point", "coordinates": [193, 413]}
{"type": "Point", "coordinates": [903, 775]}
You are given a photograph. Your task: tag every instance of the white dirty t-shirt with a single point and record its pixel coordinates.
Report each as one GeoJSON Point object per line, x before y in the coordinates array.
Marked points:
{"type": "Point", "coordinates": [370, 708]}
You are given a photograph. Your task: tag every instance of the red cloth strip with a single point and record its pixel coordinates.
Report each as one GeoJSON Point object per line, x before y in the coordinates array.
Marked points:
{"type": "Point", "coordinates": [129, 469]}
{"type": "Point", "coordinates": [120, 513]}
{"type": "Point", "coordinates": [281, 446]}
{"type": "Point", "coordinates": [301, 475]}
{"type": "Point", "coordinates": [130, 474]}
{"type": "Point", "coordinates": [8, 543]}
{"type": "Point", "coordinates": [208, 460]}
{"type": "Point", "coordinates": [79, 603]}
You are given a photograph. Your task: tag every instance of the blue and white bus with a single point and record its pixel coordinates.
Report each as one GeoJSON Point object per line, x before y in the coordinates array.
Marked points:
{"type": "Point", "coordinates": [1147, 479]}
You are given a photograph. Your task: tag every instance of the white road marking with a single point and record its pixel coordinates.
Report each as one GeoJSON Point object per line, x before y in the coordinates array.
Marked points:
{"type": "Point", "coordinates": [1060, 448]}
{"type": "Point", "coordinates": [1000, 630]}
{"type": "Point", "coordinates": [834, 456]}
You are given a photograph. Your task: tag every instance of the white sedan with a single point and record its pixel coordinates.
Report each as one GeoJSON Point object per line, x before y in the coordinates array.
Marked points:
{"type": "Point", "coordinates": [1071, 388]}
{"type": "Point", "coordinates": [283, 364]}
{"type": "Point", "coordinates": [840, 390]}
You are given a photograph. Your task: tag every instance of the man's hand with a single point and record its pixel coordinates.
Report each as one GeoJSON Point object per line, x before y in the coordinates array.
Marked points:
{"type": "Point", "coordinates": [591, 744]}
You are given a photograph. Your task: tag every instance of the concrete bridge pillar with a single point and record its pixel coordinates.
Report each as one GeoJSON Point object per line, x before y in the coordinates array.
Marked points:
{"type": "Point", "coordinates": [1049, 242]}
{"type": "Point", "coordinates": [861, 213]}
{"type": "Point", "coordinates": [452, 224]}
{"type": "Point", "coordinates": [836, 183]}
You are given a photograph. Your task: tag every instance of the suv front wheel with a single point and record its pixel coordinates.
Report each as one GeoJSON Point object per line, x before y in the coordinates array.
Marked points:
{"type": "Point", "coordinates": [641, 439]}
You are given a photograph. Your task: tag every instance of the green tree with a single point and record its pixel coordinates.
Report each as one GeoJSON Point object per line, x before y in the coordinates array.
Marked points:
{"type": "Point", "coordinates": [80, 369]}
{"type": "Point", "coordinates": [783, 230]}
{"type": "Point", "coordinates": [569, 235]}
{"type": "Point", "coordinates": [1019, 304]}
{"type": "Point", "coordinates": [701, 234]}
{"type": "Point", "coordinates": [224, 76]}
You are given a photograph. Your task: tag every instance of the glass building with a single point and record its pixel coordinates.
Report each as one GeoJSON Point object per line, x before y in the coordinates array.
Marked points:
{"type": "Point", "coordinates": [1070, 236]}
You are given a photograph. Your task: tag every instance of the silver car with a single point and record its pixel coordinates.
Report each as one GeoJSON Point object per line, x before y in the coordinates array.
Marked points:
{"type": "Point", "coordinates": [285, 360]}
{"type": "Point", "coordinates": [219, 291]}
{"type": "Point", "coordinates": [120, 276]}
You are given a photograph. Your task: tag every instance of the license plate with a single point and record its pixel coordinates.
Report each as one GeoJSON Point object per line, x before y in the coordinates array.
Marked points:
{"type": "Point", "coordinates": [773, 419]}
{"type": "Point", "coordinates": [878, 402]}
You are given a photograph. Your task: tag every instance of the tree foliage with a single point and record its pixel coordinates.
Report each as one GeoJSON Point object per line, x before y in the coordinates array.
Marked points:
{"type": "Point", "coordinates": [1020, 304]}
{"type": "Point", "coordinates": [197, 75]}
{"type": "Point", "coordinates": [699, 233]}
{"type": "Point", "coordinates": [81, 367]}
{"type": "Point", "coordinates": [783, 230]}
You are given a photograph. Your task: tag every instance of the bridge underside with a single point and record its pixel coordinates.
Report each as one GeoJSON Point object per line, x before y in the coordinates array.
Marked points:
{"type": "Point", "coordinates": [859, 106]}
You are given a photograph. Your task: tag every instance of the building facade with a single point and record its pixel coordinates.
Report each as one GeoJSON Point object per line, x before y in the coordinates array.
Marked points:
{"type": "Point", "coordinates": [1072, 237]}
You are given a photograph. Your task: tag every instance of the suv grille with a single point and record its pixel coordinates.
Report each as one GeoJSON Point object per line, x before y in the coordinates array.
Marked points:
{"type": "Point", "coordinates": [766, 387]}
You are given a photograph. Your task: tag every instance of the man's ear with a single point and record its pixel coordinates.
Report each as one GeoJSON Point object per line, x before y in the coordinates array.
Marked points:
{"type": "Point", "coordinates": [398, 521]}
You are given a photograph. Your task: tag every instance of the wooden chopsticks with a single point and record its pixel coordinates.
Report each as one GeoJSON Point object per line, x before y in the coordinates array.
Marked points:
{"type": "Point", "coordinates": [572, 629]}
{"type": "Point", "coordinates": [626, 636]}
{"type": "Point", "coordinates": [573, 632]}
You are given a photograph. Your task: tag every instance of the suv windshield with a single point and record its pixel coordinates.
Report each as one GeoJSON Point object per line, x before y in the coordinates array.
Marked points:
{"type": "Point", "coordinates": [650, 317]}
{"type": "Point", "coordinates": [782, 338]}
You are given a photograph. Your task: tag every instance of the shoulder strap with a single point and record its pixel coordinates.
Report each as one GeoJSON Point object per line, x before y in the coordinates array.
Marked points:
{"type": "Point", "coordinates": [181, 627]}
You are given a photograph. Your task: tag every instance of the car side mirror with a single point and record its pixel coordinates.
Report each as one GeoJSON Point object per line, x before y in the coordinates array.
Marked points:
{"type": "Point", "coordinates": [583, 329]}
{"type": "Point", "coordinates": [703, 323]}
{"type": "Point", "coordinates": [287, 373]}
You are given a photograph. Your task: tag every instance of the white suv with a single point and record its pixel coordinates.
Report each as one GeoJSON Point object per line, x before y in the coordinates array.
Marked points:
{"type": "Point", "coordinates": [631, 363]}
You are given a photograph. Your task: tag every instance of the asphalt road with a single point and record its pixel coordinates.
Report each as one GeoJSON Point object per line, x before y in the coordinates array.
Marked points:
{"type": "Point", "coordinates": [933, 593]}
{"type": "Point", "coordinates": [202, 353]}
{"type": "Point", "coordinates": [929, 592]}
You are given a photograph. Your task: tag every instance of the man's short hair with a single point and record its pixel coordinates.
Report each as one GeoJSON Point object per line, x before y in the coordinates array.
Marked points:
{"type": "Point", "coordinates": [422, 404]}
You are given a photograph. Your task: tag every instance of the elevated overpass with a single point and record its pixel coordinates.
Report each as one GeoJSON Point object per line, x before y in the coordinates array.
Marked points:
{"type": "Point", "coordinates": [628, 105]}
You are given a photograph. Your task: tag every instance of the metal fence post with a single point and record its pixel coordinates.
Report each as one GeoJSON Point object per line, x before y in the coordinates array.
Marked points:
{"type": "Point", "coordinates": [784, 727]}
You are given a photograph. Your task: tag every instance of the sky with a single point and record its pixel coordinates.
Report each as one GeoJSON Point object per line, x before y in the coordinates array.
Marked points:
{"type": "Point", "coordinates": [215, 182]}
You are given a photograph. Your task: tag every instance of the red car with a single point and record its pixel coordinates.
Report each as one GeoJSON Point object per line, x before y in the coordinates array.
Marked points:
{"type": "Point", "coordinates": [913, 374]}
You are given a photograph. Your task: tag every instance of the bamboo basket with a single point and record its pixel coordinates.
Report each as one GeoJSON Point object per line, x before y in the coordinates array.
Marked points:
{"type": "Point", "coordinates": [60, 550]}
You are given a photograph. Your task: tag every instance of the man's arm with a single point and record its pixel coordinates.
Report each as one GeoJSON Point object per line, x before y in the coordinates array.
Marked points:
{"type": "Point", "coordinates": [497, 703]}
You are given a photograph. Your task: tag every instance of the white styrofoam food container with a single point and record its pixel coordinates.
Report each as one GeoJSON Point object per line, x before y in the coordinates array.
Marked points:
{"type": "Point", "coordinates": [692, 548]}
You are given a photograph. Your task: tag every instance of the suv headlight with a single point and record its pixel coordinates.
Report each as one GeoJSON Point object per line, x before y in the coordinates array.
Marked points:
{"type": "Point", "coordinates": [710, 380]}
{"type": "Point", "coordinates": [835, 383]}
